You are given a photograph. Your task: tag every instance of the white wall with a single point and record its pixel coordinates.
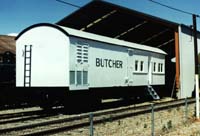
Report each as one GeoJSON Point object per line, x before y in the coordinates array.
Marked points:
{"type": "Point", "coordinates": [109, 76]}
{"type": "Point", "coordinates": [50, 56]}
{"type": "Point", "coordinates": [102, 76]}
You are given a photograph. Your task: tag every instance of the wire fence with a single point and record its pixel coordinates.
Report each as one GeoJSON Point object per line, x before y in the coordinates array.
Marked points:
{"type": "Point", "coordinates": [155, 122]}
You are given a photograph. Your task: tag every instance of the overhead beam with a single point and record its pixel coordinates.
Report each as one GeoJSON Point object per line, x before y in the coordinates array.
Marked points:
{"type": "Point", "coordinates": [130, 29]}
{"type": "Point", "coordinates": [98, 20]}
{"type": "Point", "coordinates": [154, 36]}
{"type": "Point", "coordinates": [165, 43]}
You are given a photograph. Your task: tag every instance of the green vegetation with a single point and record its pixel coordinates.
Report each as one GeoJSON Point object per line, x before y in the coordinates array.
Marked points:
{"type": "Point", "coordinates": [145, 125]}
{"type": "Point", "coordinates": [169, 124]}
{"type": "Point", "coordinates": [167, 127]}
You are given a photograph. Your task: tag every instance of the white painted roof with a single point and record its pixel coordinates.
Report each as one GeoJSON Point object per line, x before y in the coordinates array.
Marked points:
{"type": "Point", "coordinates": [78, 33]}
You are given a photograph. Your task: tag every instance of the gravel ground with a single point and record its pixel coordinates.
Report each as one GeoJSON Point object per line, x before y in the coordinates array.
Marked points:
{"type": "Point", "coordinates": [190, 129]}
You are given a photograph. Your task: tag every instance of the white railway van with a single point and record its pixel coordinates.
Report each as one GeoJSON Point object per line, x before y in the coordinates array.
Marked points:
{"type": "Point", "coordinates": [49, 55]}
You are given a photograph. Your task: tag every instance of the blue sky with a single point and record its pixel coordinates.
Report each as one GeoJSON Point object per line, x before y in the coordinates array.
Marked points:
{"type": "Point", "coordinates": [16, 15]}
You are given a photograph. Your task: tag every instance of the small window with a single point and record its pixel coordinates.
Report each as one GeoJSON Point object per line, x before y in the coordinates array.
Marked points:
{"type": "Point", "coordinates": [158, 67]}
{"type": "Point", "coordinates": [141, 65]}
{"type": "Point", "coordinates": [136, 65]}
{"type": "Point", "coordinates": [154, 67]}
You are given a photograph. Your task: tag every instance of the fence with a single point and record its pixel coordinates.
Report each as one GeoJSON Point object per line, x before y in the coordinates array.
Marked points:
{"type": "Point", "coordinates": [155, 122]}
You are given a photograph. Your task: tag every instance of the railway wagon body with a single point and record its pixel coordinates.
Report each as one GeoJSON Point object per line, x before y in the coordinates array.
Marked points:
{"type": "Point", "coordinates": [49, 55]}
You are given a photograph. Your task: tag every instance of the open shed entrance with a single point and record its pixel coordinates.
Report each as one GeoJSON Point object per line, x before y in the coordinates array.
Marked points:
{"type": "Point", "coordinates": [114, 21]}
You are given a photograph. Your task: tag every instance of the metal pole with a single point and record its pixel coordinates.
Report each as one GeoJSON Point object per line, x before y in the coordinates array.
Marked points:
{"type": "Point", "coordinates": [152, 119]}
{"type": "Point", "coordinates": [196, 65]}
{"type": "Point", "coordinates": [186, 109]}
{"type": "Point", "coordinates": [91, 124]}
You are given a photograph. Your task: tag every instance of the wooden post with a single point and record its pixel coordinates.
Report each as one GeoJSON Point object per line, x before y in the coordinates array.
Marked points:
{"type": "Point", "coordinates": [177, 59]}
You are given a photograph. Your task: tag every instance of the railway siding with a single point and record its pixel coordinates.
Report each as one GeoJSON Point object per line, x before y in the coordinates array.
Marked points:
{"type": "Point", "coordinates": [128, 120]}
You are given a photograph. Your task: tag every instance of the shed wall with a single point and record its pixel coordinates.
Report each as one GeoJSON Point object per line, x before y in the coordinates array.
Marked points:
{"type": "Point", "coordinates": [187, 65]}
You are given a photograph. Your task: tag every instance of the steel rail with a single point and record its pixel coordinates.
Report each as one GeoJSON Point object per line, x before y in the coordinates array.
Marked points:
{"type": "Point", "coordinates": [29, 113]}
{"type": "Point", "coordinates": [18, 114]}
{"type": "Point", "coordinates": [28, 118]}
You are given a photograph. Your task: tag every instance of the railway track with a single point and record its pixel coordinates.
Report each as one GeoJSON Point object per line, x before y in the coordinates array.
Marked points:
{"type": "Point", "coordinates": [15, 114]}
{"type": "Point", "coordinates": [70, 122]}
{"type": "Point", "coordinates": [23, 113]}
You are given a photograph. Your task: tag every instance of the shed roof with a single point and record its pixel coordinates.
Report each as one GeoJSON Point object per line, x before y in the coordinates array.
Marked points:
{"type": "Point", "coordinates": [7, 43]}
{"type": "Point", "coordinates": [118, 22]}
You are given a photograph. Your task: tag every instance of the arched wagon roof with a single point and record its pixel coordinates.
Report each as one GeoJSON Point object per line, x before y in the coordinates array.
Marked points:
{"type": "Point", "coordinates": [85, 35]}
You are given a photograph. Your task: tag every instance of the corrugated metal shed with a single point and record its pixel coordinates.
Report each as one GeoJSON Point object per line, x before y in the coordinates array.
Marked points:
{"type": "Point", "coordinates": [118, 22]}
